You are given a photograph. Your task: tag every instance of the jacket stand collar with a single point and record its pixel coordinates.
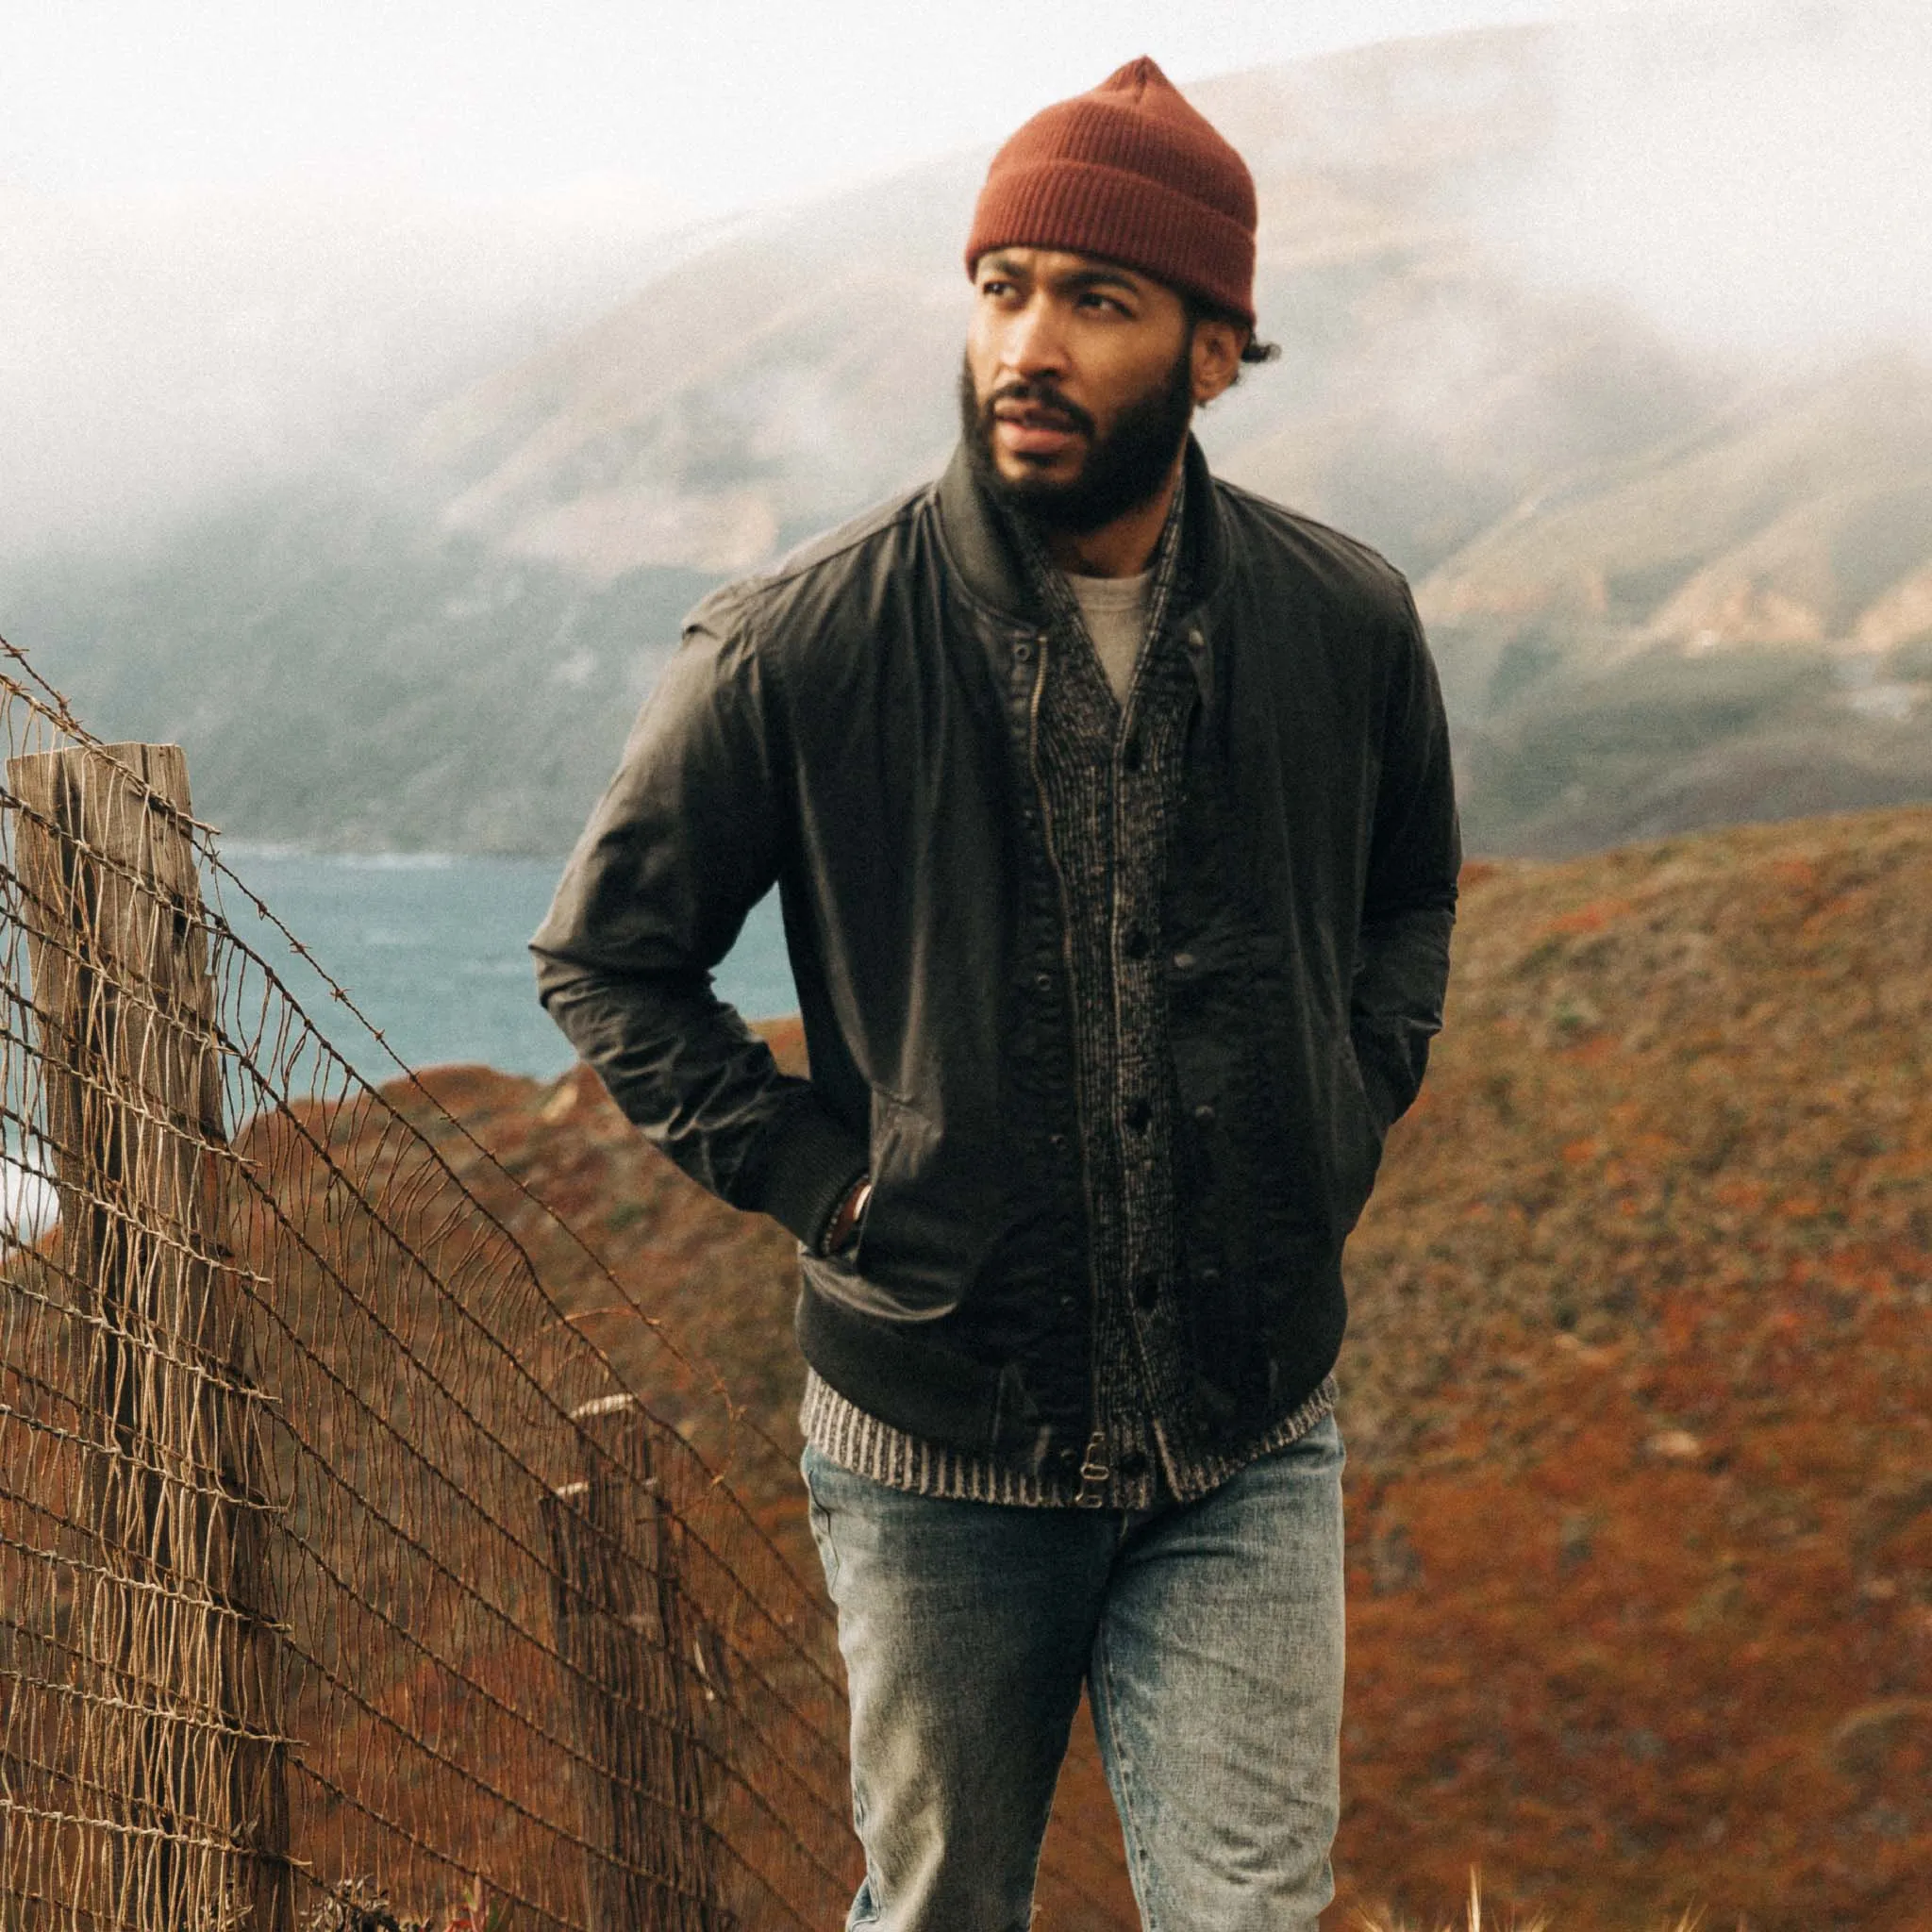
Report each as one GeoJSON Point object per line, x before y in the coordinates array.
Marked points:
{"type": "Point", "coordinates": [982, 555]}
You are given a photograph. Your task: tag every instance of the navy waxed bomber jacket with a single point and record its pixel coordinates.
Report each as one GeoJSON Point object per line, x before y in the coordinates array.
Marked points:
{"type": "Point", "coordinates": [854, 727]}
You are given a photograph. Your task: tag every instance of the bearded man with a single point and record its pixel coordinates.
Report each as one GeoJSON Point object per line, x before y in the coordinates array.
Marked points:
{"type": "Point", "coordinates": [1111, 811]}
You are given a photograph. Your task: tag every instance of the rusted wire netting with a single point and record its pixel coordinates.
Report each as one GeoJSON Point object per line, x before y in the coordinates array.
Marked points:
{"type": "Point", "coordinates": [335, 1564]}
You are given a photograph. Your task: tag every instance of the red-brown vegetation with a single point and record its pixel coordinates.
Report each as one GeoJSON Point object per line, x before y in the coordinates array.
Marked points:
{"type": "Point", "coordinates": [1638, 1393]}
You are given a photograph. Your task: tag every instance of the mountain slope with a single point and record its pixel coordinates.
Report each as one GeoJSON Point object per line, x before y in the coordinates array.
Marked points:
{"type": "Point", "coordinates": [777, 382]}
{"type": "Point", "coordinates": [344, 675]}
{"type": "Point", "coordinates": [1734, 626]}
{"type": "Point", "coordinates": [447, 647]}
{"type": "Point", "coordinates": [1642, 1392]}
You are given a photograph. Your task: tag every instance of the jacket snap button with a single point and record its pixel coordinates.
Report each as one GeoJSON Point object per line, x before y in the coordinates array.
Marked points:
{"type": "Point", "coordinates": [1204, 1114]}
{"type": "Point", "coordinates": [1057, 1142]}
{"type": "Point", "coordinates": [1023, 652]}
{"type": "Point", "coordinates": [1209, 1278]}
{"type": "Point", "coordinates": [1043, 982]}
{"type": "Point", "coordinates": [1185, 962]}
{"type": "Point", "coordinates": [1196, 642]}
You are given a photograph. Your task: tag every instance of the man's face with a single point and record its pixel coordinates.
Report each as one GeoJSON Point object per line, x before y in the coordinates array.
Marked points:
{"type": "Point", "coordinates": [1078, 385]}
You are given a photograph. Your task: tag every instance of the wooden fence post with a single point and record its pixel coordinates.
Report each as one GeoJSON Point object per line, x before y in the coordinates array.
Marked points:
{"type": "Point", "coordinates": [181, 1761]}
{"type": "Point", "coordinates": [624, 1626]}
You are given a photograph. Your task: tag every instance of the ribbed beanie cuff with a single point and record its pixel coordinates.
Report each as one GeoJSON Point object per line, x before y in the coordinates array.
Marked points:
{"type": "Point", "coordinates": [1133, 174]}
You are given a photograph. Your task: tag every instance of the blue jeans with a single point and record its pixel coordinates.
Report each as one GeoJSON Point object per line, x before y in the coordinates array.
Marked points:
{"type": "Point", "coordinates": [1209, 1635]}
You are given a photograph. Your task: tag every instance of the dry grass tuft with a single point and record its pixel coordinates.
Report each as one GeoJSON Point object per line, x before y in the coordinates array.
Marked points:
{"type": "Point", "coordinates": [1384, 1920]}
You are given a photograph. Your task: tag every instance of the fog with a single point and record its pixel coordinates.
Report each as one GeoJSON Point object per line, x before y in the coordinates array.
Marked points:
{"type": "Point", "coordinates": [161, 347]}
{"type": "Point", "coordinates": [1755, 178]}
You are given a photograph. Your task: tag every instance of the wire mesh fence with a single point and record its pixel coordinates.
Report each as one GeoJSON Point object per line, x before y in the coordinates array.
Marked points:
{"type": "Point", "coordinates": [338, 1573]}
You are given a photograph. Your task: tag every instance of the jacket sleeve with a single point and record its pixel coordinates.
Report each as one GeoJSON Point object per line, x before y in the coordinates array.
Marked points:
{"type": "Point", "coordinates": [680, 848]}
{"type": "Point", "coordinates": [1408, 906]}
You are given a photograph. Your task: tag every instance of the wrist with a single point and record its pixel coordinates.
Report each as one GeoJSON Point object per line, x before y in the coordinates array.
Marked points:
{"type": "Point", "coordinates": [842, 1230]}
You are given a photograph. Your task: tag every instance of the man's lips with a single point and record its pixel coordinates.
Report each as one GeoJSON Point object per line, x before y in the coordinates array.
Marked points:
{"type": "Point", "coordinates": [1034, 430]}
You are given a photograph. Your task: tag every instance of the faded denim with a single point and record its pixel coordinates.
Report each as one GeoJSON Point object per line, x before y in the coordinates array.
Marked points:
{"type": "Point", "coordinates": [1211, 1635]}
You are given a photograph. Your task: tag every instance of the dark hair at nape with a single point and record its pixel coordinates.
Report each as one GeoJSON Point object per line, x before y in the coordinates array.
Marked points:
{"type": "Point", "coordinates": [1253, 348]}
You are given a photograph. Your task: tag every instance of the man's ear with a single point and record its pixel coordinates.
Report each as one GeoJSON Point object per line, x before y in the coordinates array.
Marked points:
{"type": "Point", "coordinates": [1216, 357]}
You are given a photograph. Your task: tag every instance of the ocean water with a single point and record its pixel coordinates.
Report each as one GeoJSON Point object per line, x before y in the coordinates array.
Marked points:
{"type": "Point", "coordinates": [432, 948]}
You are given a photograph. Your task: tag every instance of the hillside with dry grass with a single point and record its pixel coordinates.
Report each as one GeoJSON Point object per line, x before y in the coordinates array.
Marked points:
{"type": "Point", "coordinates": [1638, 1390]}
{"type": "Point", "coordinates": [1641, 1395]}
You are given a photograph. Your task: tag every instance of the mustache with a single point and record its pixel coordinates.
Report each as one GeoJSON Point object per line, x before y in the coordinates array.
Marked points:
{"type": "Point", "coordinates": [1042, 396]}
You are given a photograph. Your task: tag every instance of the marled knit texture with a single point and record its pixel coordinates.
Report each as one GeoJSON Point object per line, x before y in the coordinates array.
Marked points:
{"type": "Point", "coordinates": [1109, 777]}
{"type": "Point", "coordinates": [843, 1433]}
{"type": "Point", "coordinates": [1132, 173]}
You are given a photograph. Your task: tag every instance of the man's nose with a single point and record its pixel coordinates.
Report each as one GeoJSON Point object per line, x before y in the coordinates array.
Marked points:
{"type": "Point", "coordinates": [1035, 343]}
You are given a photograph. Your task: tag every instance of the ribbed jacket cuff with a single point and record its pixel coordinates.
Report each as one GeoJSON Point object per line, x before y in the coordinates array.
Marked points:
{"type": "Point", "coordinates": [812, 1165]}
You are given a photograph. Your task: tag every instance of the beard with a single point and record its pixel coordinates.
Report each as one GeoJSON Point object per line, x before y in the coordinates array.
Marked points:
{"type": "Point", "coordinates": [1124, 469]}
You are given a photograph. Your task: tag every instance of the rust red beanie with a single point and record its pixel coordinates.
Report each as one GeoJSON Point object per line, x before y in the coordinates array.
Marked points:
{"type": "Point", "coordinates": [1132, 173]}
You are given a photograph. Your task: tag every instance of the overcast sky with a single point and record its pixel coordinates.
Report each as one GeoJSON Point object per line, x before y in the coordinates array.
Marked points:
{"type": "Point", "coordinates": [711, 105]}
{"type": "Point", "coordinates": [237, 234]}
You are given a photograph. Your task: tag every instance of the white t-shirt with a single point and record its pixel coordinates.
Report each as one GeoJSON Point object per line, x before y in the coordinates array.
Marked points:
{"type": "Point", "coordinates": [1116, 613]}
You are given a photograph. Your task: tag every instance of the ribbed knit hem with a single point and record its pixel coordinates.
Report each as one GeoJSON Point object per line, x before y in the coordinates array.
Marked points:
{"type": "Point", "coordinates": [843, 1433]}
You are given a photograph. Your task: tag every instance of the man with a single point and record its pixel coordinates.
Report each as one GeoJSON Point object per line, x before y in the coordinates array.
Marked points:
{"type": "Point", "coordinates": [1111, 816]}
